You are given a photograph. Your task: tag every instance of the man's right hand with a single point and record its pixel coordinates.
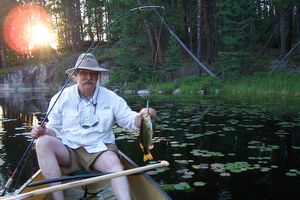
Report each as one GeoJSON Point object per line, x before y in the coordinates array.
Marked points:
{"type": "Point", "coordinates": [38, 131]}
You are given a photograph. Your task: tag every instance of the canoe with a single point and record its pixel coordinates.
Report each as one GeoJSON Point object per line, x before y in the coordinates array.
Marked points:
{"type": "Point", "coordinates": [142, 186]}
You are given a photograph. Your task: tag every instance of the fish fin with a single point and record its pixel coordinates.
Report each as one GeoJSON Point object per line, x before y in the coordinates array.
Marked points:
{"type": "Point", "coordinates": [148, 156]}
{"type": "Point", "coordinates": [151, 146]}
{"type": "Point", "coordinates": [141, 146]}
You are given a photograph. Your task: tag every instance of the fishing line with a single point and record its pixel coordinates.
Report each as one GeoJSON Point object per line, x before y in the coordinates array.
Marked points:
{"type": "Point", "coordinates": [26, 153]}
{"type": "Point", "coordinates": [11, 179]}
{"type": "Point", "coordinates": [158, 44]}
{"type": "Point", "coordinates": [20, 172]}
{"type": "Point", "coordinates": [68, 80]}
{"type": "Point", "coordinates": [184, 46]}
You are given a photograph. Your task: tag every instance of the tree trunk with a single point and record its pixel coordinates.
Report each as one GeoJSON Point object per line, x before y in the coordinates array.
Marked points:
{"type": "Point", "coordinates": [209, 12]}
{"type": "Point", "coordinates": [298, 22]}
{"type": "Point", "coordinates": [285, 29]}
{"type": "Point", "coordinates": [77, 30]}
{"type": "Point", "coordinates": [153, 35]}
{"type": "Point", "coordinates": [1, 54]}
{"type": "Point", "coordinates": [282, 32]}
{"type": "Point", "coordinates": [289, 23]}
{"type": "Point", "coordinates": [90, 11]}
{"type": "Point", "coordinates": [199, 9]}
{"type": "Point", "coordinates": [73, 22]}
{"type": "Point", "coordinates": [189, 25]}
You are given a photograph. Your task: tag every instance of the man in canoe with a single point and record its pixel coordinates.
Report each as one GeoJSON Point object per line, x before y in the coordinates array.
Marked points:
{"type": "Point", "coordinates": [79, 132]}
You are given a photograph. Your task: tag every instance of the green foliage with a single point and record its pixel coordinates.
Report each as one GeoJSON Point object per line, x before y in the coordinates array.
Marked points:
{"type": "Point", "coordinates": [190, 85]}
{"type": "Point", "coordinates": [166, 87]}
{"type": "Point", "coordinates": [198, 84]}
{"type": "Point", "coordinates": [235, 17]}
{"type": "Point", "coordinates": [133, 60]}
{"type": "Point", "coordinates": [278, 83]}
{"type": "Point", "coordinates": [172, 63]}
{"type": "Point", "coordinates": [118, 13]}
{"type": "Point", "coordinates": [8, 69]}
{"type": "Point", "coordinates": [284, 2]}
{"type": "Point", "coordinates": [237, 64]}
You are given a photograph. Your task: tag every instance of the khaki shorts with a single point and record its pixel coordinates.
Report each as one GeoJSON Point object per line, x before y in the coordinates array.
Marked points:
{"type": "Point", "coordinates": [80, 158]}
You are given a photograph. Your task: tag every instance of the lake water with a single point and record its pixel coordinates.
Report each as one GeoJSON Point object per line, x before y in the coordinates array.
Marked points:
{"type": "Point", "coordinates": [218, 147]}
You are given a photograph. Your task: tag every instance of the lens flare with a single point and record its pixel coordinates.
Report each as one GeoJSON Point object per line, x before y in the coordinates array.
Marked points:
{"type": "Point", "coordinates": [27, 27]}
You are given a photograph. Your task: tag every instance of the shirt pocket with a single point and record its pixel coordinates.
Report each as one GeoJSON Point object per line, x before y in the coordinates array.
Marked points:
{"type": "Point", "coordinates": [105, 117]}
{"type": "Point", "coordinates": [70, 121]}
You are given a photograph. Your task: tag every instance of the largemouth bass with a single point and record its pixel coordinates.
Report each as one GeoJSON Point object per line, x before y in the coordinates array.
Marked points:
{"type": "Point", "coordinates": [146, 136]}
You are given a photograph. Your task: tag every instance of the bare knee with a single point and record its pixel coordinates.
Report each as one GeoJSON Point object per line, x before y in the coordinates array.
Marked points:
{"type": "Point", "coordinates": [45, 142]}
{"type": "Point", "coordinates": [41, 142]}
{"type": "Point", "coordinates": [108, 162]}
{"type": "Point", "coordinates": [115, 163]}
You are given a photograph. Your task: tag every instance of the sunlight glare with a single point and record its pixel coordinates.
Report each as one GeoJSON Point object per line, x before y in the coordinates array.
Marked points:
{"type": "Point", "coordinates": [27, 29]}
{"type": "Point", "coordinates": [41, 35]}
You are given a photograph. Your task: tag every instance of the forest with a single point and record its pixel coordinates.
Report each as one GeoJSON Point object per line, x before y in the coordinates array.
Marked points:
{"type": "Point", "coordinates": [166, 40]}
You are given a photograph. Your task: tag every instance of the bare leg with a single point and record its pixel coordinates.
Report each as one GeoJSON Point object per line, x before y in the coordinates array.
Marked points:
{"type": "Point", "coordinates": [110, 162]}
{"type": "Point", "coordinates": [51, 153]}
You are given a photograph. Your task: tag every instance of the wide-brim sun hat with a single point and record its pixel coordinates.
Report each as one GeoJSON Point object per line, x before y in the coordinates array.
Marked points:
{"type": "Point", "coordinates": [86, 61]}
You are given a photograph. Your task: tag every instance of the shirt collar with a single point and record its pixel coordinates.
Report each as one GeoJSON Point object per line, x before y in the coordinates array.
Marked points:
{"type": "Point", "coordinates": [95, 95]}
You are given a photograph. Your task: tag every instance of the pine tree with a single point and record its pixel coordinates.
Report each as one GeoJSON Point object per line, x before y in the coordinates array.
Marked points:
{"type": "Point", "coordinates": [172, 63]}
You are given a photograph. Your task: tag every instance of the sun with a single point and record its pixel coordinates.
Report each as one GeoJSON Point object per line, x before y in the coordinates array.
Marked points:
{"type": "Point", "coordinates": [40, 34]}
{"type": "Point", "coordinates": [27, 28]}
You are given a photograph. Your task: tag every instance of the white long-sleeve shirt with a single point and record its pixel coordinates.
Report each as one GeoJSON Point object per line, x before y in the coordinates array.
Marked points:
{"type": "Point", "coordinates": [105, 108]}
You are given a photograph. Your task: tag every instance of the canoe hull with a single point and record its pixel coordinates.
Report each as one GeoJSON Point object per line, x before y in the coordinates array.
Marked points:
{"type": "Point", "coordinates": [142, 187]}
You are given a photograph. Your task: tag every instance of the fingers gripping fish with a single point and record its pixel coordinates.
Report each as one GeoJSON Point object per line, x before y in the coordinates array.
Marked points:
{"type": "Point", "coordinates": [146, 135]}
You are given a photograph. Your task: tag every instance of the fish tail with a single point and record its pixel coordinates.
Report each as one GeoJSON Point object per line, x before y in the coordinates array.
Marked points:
{"type": "Point", "coordinates": [148, 156]}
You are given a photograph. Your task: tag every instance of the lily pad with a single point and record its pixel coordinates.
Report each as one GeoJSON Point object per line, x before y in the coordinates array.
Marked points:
{"type": "Point", "coordinates": [199, 184]}
{"type": "Point", "coordinates": [290, 174]}
{"type": "Point", "coordinates": [182, 186]}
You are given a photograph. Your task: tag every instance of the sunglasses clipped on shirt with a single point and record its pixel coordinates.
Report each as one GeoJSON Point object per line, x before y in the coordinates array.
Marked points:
{"type": "Point", "coordinates": [87, 117]}
{"type": "Point", "coordinates": [85, 126]}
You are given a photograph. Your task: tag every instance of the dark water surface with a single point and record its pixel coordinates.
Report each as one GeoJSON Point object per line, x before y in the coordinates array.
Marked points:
{"type": "Point", "coordinates": [218, 148]}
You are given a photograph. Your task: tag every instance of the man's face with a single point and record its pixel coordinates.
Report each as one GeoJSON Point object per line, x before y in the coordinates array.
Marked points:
{"type": "Point", "coordinates": [86, 79]}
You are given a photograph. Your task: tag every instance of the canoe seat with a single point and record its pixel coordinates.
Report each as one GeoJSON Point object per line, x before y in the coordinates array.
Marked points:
{"type": "Point", "coordinates": [92, 189]}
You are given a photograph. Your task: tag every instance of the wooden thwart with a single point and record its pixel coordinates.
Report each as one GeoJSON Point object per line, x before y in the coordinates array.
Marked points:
{"type": "Point", "coordinates": [86, 181]}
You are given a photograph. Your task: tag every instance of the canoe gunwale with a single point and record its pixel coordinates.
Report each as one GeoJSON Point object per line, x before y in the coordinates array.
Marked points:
{"type": "Point", "coordinates": [147, 177]}
{"type": "Point", "coordinates": [127, 162]}
{"type": "Point", "coordinates": [18, 191]}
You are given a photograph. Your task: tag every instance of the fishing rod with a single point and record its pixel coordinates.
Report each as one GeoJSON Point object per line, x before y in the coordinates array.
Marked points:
{"type": "Point", "coordinates": [11, 179]}
{"type": "Point", "coordinates": [286, 55]}
{"type": "Point", "coordinates": [71, 178]}
{"type": "Point", "coordinates": [184, 46]}
{"type": "Point", "coordinates": [175, 36]}
{"type": "Point", "coordinates": [146, 7]}
{"type": "Point", "coordinates": [141, 8]}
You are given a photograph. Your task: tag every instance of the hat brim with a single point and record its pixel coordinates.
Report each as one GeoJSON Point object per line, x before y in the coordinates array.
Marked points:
{"type": "Point", "coordinates": [99, 69]}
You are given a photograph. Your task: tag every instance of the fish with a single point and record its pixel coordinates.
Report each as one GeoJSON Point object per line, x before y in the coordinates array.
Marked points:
{"type": "Point", "coordinates": [146, 136]}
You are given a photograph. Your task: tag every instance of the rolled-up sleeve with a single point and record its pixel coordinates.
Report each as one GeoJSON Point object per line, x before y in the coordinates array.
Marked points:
{"type": "Point", "coordinates": [54, 117]}
{"type": "Point", "coordinates": [124, 116]}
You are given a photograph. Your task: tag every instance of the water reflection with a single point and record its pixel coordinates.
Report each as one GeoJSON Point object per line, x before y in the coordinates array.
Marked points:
{"type": "Point", "coordinates": [236, 149]}
{"type": "Point", "coordinates": [24, 101]}
{"type": "Point", "coordinates": [19, 111]}
{"type": "Point", "coordinates": [218, 148]}
{"type": "Point", "coordinates": [1, 119]}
